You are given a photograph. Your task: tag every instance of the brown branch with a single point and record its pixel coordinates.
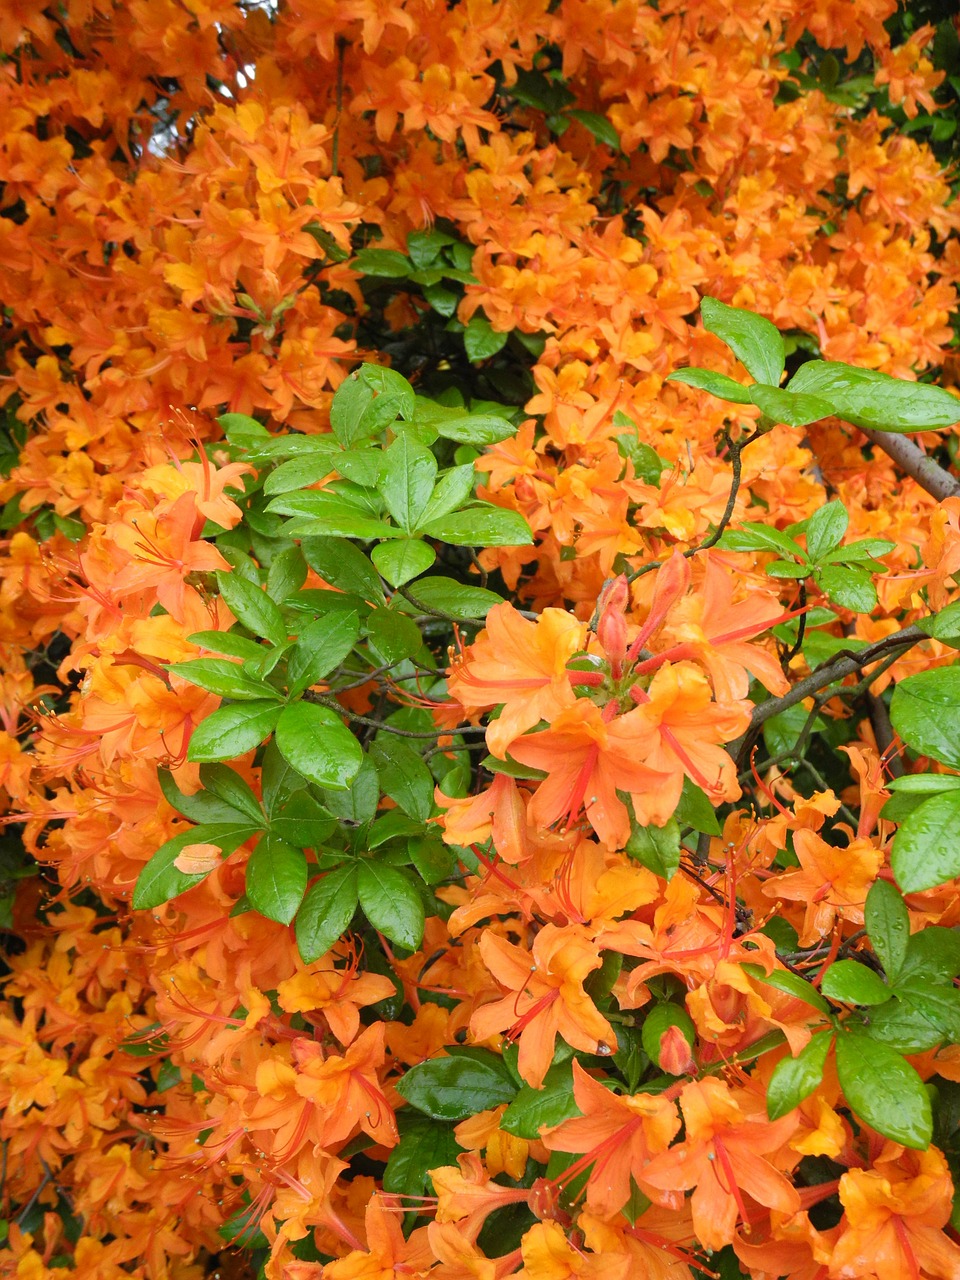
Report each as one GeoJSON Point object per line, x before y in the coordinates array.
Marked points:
{"type": "Point", "coordinates": [918, 465]}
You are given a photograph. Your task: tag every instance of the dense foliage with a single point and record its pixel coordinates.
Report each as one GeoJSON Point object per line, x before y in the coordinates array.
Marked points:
{"type": "Point", "coordinates": [480, 748]}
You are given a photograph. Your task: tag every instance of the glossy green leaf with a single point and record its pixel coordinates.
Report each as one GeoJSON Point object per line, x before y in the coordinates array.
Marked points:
{"type": "Point", "coordinates": [320, 649]}
{"type": "Point", "coordinates": [302, 821]}
{"type": "Point", "coordinates": [404, 776]}
{"type": "Point", "coordinates": [228, 642]}
{"type": "Point", "coordinates": [696, 810]}
{"type": "Point", "coordinates": [535, 1109]}
{"type": "Point", "coordinates": [853, 983]}
{"type": "Point", "coordinates": [326, 912]}
{"type": "Point", "coordinates": [485, 526]}
{"type": "Point", "coordinates": [925, 711]}
{"type": "Point", "coordinates": [884, 1090]}
{"type": "Point", "coordinates": [343, 565]}
{"type": "Point", "coordinates": [761, 537]}
{"type": "Point", "coordinates": [325, 515]}
{"type": "Point", "coordinates": [300, 472]}
{"type": "Point", "coordinates": [657, 848]}
{"type": "Point", "coordinates": [926, 850]}
{"type": "Point", "coordinates": [382, 262]}
{"type": "Point", "coordinates": [424, 1144]}
{"type": "Point", "coordinates": [233, 731]}
{"type": "Point", "coordinates": [870, 399]}
{"type": "Point", "coordinates": [717, 384]}
{"type": "Point", "coordinates": [253, 607]}
{"type": "Point", "coordinates": [202, 806]}
{"type": "Point", "coordinates": [825, 529]}
{"type": "Point", "coordinates": [933, 954]}
{"type": "Point", "coordinates": [403, 559]}
{"type": "Point", "coordinates": [888, 925]}
{"type": "Point", "coordinates": [392, 636]}
{"type": "Point", "coordinates": [434, 860]}
{"type": "Point", "coordinates": [755, 342]}
{"type": "Point", "coordinates": [452, 490]}
{"type": "Point", "coordinates": [452, 598]}
{"type": "Point", "coordinates": [224, 678]}
{"type": "Point", "coordinates": [850, 588]}
{"type": "Point", "coordinates": [789, 407]}
{"type": "Point", "coordinates": [407, 476]}
{"type": "Point", "coordinates": [794, 1079]}
{"type": "Point", "coordinates": [460, 424]}
{"type": "Point", "coordinates": [315, 741]}
{"type": "Point", "coordinates": [481, 340]}
{"type": "Point", "coordinates": [789, 983]}
{"type": "Point", "coordinates": [919, 1017]}
{"type": "Point", "coordinates": [599, 126]}
{"type": "Point", "coordinates": [454, 1088]}
{"type": "Point", "coordinates": [227, 785]}
{"type": "Point", "coordinates": [392, 903]}
{"type": "Point", "coordinates": [160, 880]}
{"type": "Point", "coordinates": [276, 879]}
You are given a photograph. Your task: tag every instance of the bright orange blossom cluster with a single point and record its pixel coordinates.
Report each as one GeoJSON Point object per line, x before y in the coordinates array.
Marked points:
{"type": "Point", "coordinates": [176, 177]}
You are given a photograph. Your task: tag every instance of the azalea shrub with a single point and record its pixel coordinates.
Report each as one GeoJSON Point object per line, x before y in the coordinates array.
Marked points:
{"type": "Point", "coordinates": [479, 700]}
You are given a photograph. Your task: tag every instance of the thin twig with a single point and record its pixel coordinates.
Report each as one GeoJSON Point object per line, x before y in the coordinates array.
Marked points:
{"type": "Point", "coordinates": [918, 465]}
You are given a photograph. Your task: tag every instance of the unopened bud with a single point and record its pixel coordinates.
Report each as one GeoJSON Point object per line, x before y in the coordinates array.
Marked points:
{"type": "Point", "coordinates": [612, 622]}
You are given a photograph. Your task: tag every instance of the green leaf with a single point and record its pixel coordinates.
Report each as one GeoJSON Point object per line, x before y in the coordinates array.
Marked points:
{"type": "Point", "coordinates": [535, 1109]}
{"type": "Point", "coordinates": [888, 925]}
{"type": "Point", "coordinates": [392, 636]}
{"type": "Point", "coordinates": [657, 848]}
{"type": "Point", "coordinates": [789, 407]}
{"type": "Point", "coordinates": [944, 626]}
{"type": "Point", "coordinates": [453, 598]}
{"type": "Point", "coordinates": [932, 954]}
{"type": "Point", "coordinates": [919, 1017]}
{"type": "Point", "coordinates": [911, 791]}
{"type": "Point", "coordinates": [203, 806]}
{"type": "Point", "coordinates": [786, 569]}
{"type": "Point", "coordinates": [233, 731]}
{"type": "Point", "coordinates": [358, 804]}
{"type": "Point", "coordinates": [434, 860]}
{"type": "Point", "coordinates": [387, 382]}
{"type": "Point", "coordinates": [403, 775]}
{"type": "Point", "coordinates": [424, 1145]}
{"type": "Point", "coordinates": [424, 247]}
{"type": "Point", "coordinates": [302, 821]}
{"type": "Point", "coordinates": [453, 489]}
{"type": "Point", "coordinates": [382, 262]}
{"type": "Point", "coordinates": [695, 810]}
{"type": "Point", "coordinates": [392, 903]}
{"type": "Point", "coordinates": [884, 1090]}
{"type": "Point", "coordinates": [325, 515]}
{"type": "Point", "coordinates": [599, 126]}
{"type": "Point", "coordinates": [755, 342]}
{"type": "Point", "coordinates": [781, 732]}
{"type": "Point", "coordinates": [228, 642]}
{"type": "Point", "coordinates": [160, 880]}
{"type": "Point", "coordinates": [850, 588]}
{"type": "Point", "coordinates": [252, 607]}
{"type": "Point", "coordinates": [224, 678]}
{"type": "Point", "coordinates": [717, 384]}
{"type": "Point", "coordinates": [457, 423]}
{"type": "Point", "coordinates": [454, 1088]}
{"type": "Point", "coordinates": [870, 399]}
{"type": "Point", "coordinates": [276, 879]}
{"type": "Point", "coordinates": [926, 851]}
{"type": "Point", "coordinates": [343, 565]}
{"type": "Point", "coordinates": [794, 1079]}
{"type": "Point", "coordinates": [278, 781]}
{"type": "Point", "coordinates": [761, 537]}
{"type": "Point", "coordinates": [321, 648]}
{"type": "Point", "coordinates": [347, 407]}
{"type": "Point", "coordinates": [326, 912]}
{"type": "Point", "coordinates": [853, 983]}
{"type": "Point", "coordinates": [239, 428]}
{"type": "Point", "coordinates": [790, 984]}
{"type": "Point", "coordinates": [486, 526]}
{"type": "Point", "coordinates": [825, 529]}
{"type": "Point", "coordinates": [315, 741]}
{"type": "Point", "coordinates": [925, 711]}
{"type": "Point", "coordinates": [482, 340]}
{"type": "Point", "coordinates": [227, 785]}
{"type": "Point", "coordinates": [407, 477]}
{"type": "Point", "coordinates": [287, 574]}
{"type": "Point", "coordinates": [300, 472]}
{"type": "Point", "coordinates": [403, 559]}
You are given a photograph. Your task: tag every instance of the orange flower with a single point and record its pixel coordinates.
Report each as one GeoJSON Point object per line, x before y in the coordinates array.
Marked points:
{"type": "Point", "coordinates": [721, 1157]}
{"type": "Point", "coordinates": [832, 882]}
{"type": "Point", "coordinates": [588, 758]}
{"type": "Point", "coordinates": [522, 665]}
{"type": "Point", "coordinates": [547, 997]}
{"type": "Point", "coordinates": [616, 1136]}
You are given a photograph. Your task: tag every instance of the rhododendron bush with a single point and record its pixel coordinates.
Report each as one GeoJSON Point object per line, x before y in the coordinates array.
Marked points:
{"type": "Point", "coordinates": [479, 700]}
